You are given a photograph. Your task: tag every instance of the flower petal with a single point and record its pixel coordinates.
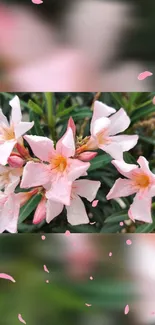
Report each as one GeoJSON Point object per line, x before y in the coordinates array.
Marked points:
{"type": "Point", "coordinates": [3, 119]}
{"type": "Point", "coordinates": [35, 174]}
{"type": "Point", "coordinates": [77, 168]}
{"type": "Point", "coordinates": [16, 115]}
{"type": "Point", "coordinates": [5, 151]}
{"type": "Point", "coordinates": [40, 212]}
{"type": "Point", "coordinates": [14, 181]}
{"type": "Point", "coordinates": [53, 209]}
{"type": "Point", "coordinates": [12, 226]}
{"type": "Point", "coordinates": [126, 142]}
{"type": "Point", "coordinates": [119, 122]}
{"type": "Point", "coordinates": [99, 125]}
{"type": "Point", "coordinates": [9, 215]}
{"type": "Point", "coordinates": [121, 188]}
{"type": "Point", "coordinates": [144, 164]}
{"type": "Point", "coordinates": [21, 128]}
{"type": "Point", "coordinates": [76, 212]}
{"type": "Point", "coordinates": [100, 110]}
{"type": "Point", "coordinates": [113, 149]}
{"type": "Point", "coordinates": [60, 191]}
{"type": "Point", "coordinates": [87, 188]}
{"type": "Point", "coordinates": [140, 209]}
{"type": "Point", "coordinates": [42, 147]}
{"type": "Point", "coordinates": [124, 168]}
{"type": "Point", "coordinates": [66, 145]}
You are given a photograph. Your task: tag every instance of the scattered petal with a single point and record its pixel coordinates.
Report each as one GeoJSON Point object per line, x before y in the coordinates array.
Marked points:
{"type": "Point", "coordinates": [7, 277]}
{"type": "Point", "coordinates": [92, 223]}
{"type": "Point", "coordinates": [126, 309]}
{"type": "Point", "coordinates": [144, 75]}
{"type": "Point", "coordinates": [128, 242]}
{"type": "Point", "coordinates": [121, 223]}
{"type": "Point", "coordinates": [88, 305]}
{"type": "Point", "coordinates": [153, 100]}
{"type": "Point", "coordinates": [67, 233]}
{"type": "Point", "coordinates": [47, 281]}
{"type": "Point", "coordinates": [21, 319]}
{"type": "Point", "coordinates": [43, 237]}
{"type": "Point", "coordinates": [91, 278]}
{"type": "Point", "coordinates": [37, 2]}
{"type": "Point", "coordinates": [110, 254]}
{"type": "Point", "coordinates": [46, 269]}
{"type": "Point", "coordinates": [95, 203]}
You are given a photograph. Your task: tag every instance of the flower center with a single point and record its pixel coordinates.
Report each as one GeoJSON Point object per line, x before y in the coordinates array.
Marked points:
{"type": "Point", "coordinates": [101, 137]}
{"type": "Point", "coordinates": [59, 163]}
{"type": "Point", "coordinates": [8, 133]}
{"type": "Point", "coordinates": [142, 180]}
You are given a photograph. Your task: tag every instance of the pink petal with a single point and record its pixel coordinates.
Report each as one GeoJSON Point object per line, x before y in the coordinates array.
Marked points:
{"type": "Point", "coordinates": [99, 125]}
{"type": "Point", "coordinates": [153, 100]}
{"type": "Point", "coordinates": [15, 161]}
{"type": "Point", "coordinates": [53, 209]}
{"type": "Point", "coordinates": [76, 169]}
{"type": "Point", "coordinates": [76, 213]}
{"type": "Point", "coordinates": [100, 110]}
{"type": "Point", "coordinates": [113, 149]}
{"type": "Point", "coordinates": [42, 147]}
{"type": "Point", "coordinates": [126, 142]}
{"type": "Point", "coordinates": [88, 305]}
{"type": "Point", "coordinates": [140, 209]}
{"type": "Point", "coordinates": [87, 188]}
{"type": "Point", "coordinates": [126, 309]}
{"type": "Point", "coordinates": [3, 119]}
{"type": "Point", "coordinates": [37, 2]}
{"type": "Point", "coordinates": [7, 277]}
{"type": "Point", "coordinates": [128, 242]}
{"type": "Point", "coordinates": [72, 125]}
{"type": "Point", "coordinates": [43, 237]}
{"type": "Point", "coordinates": [22, 127]}
{"type": "Point", "coordinates": [46, 269]}
{"type": "Point", "coordinates": [5, 151]}
{"type": "Point", "coordinates": [67, 233]}
{"type": "Point", "coordinates": [119, 122]}
{"type": "Point", "coordinates": [14, 181]}
{"type": "Point", "coordinates": [16, 115]}
{"type": "Point", "coordinates": [144, 75]}
{"type": "Point", "coordinates": [35, 174]}
{"type": "Point", "coordinates": [87, 156]}
{"type": "Point", "coordinates": [95, 203]}
{"type": "Point", "coordinates": [91, 278]}
{"type": "Point", "coordinates": [121, 188]}
{"type": "Point", "coordinates": [110, 254]}
{"type": "Point", "coordinates": [124, 168]}
{"type": "Point", "coordinates": [40, 213]}
{"type": "Point", "coordinates": [60, 191]}
{"type": "Point", "coordinates": [144, 164]}
{"type": "Point", "coordinates": [21, 319]}
{"type": "Point", "coordinates": [9, 215]}
{"type": "Point", "coordinates": [66, 145]}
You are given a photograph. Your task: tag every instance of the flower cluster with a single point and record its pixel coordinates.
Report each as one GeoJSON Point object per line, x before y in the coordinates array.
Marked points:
{"type": "Point", "coordinates": [54, 170]}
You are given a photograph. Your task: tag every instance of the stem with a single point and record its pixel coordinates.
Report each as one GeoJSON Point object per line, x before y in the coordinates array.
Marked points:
{"type": "Point", "coordinates": [50, 114]}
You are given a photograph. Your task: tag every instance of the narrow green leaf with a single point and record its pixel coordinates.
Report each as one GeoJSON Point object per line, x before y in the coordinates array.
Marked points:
{"type": "Point", "coordinates": [117, 217]}
{"type": "Point", "coordinates": [62, 104]}
{"type": "Point", "coordinates": [83, 229]}
{"type": "Point", "coordinates": [146, 228]}
{"type": "Point", "coordinates": [36, 130]}
{"type": "Point", "coordinates": [147, 139]}
{"type": "Point", "coordinates": [35, 107]}
{"type": "Point", "coordinates": [108, 228]}
{"type": "Point", "coordinates": [66, 111]}
{"type": "Point", "coordinates": [29, 207]}
{"type": "Point", "coordinates": [129, 159]}
{"type": "Point", "coordinates": [141, 113]}
{"type": "Point", "coordinates": [99, 162]}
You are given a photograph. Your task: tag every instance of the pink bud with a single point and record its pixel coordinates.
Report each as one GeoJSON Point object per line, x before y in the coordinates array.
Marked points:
{"type": "Point", "coordinates": [71, 124]}
{"type": "Point", "coordinates": [15, 161]}
{"type": "Point", "coordinates": [87, 156]}
{"type": "Point", "coordinates": [40, 213]}
{"type": "Point", "coordinates": [22, 150]}
{"type": "Point", "coordinates": [23, 197]}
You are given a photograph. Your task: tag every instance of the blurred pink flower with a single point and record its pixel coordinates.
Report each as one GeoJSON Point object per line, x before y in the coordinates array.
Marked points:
{"type": "Point", "coordinates": [9, 178]}
{"type": "Point", "coordinates": [104, 128]}
{"type": "Point", "coordinates": [9, 212]}
{"type": "Point", "coordinates": [140, 181]}
{"type": "Point", "coordinates": [11, 133]}
{"type": "Point", "coordinates": [61, 169]}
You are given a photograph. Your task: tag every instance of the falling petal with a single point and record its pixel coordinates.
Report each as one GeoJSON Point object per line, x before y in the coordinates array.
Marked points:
{"type": "Point", "coordinates": [7, 277]}
{"type": "Point", "coordinates": [144, 75]}
{"type": "Point", "coordinates": [88, 305]}
{"type": "Point", "coordinates": [121, 223]}
{"type": "Point", "coordinates": [94, 203]}
{"type": "Point", "coordinates": [46, 269]}
{"type": "Point", "coordinates": [21, 319]}
{"type": "Point", "coordinates": [153, 100]}
{"type": "Point", "coordinates": [126, 309]}
{"type": "Point", "coordinates": [110, 254]}
{"type": "Point", "coordinates": [128, 242]}
{"type": "Point", "coordinates": [67, 233]}
{"type": "Point", "coordinates": [37, 2]}
{"type": "Point", "coordinates": [47, 281]}
{"type": "Point", "coordinates": [91, 278]}
{"type": "Point", "coordinates": [43, 237]}
{"type": "Point", "coordinates": [92, 223]}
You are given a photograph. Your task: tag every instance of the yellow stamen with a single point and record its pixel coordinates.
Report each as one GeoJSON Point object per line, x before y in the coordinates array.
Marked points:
{"type": "Point", "coordinates": [8, 133]}
{"type": "Point", "coordinates": [59, 163]}
{"type": "Point", "coordinates": [142, 180]}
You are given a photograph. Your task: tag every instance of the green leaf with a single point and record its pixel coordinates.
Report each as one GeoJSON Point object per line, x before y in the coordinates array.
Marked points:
{"type": "Point", "coordinates": [110, 228]}
{"type": "Point", "coordinates": [99, 162]}
{"type": "Point", "coordinates": [29, 207]}
{"type": "Point", "coordinates": [80, 114]}
{"type": "Point", "coordinates": [146, 228]}
{"type": "Point", "coordinates": [36, 130]}
{"type": "Point", "coordinates": [129, 159]}
{"type": "Point", "coordinates": [66, 111]}
{"type": "Point", "coordinates": [83, 229]}
{"type": "Point", "coordinates": [117, 217]}
{"type": "Point", "coordinates": [35, 107]}
{"type": "Point", "coordinates": [62, 104]}
{"type": "Point", "coordinates": [141, 113]}
{"type": "Point", "coordinates": [147, 139]}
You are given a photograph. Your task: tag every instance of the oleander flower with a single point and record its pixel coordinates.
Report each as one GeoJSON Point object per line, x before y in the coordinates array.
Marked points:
{"type": "Point", "coordinates": [104, 130]}
{"type": "Point", "coordinates": [76, 212]}
{"type": "Point", "coordinates": [140, 181]}
{"type": "Point", "coordinates": [9, 212]}
{"type": "Point", "coordinates": [62, 168]}
{"type": "Point", "coordinates": [11, 133]}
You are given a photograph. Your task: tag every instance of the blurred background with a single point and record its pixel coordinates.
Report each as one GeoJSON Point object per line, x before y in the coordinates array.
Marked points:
{"type": "Point", "coordinates": [51, 112]}
{"type": "Point", "coordinates": [76, 45]}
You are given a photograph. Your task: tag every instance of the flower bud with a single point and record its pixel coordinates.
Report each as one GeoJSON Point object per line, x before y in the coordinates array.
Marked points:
{"type": "Point", "coordinates": [40, 213]}
{"type": "Point", "coordinates": [23, 197]}
{"type": "Point", "coordinates": [24, 152]}
{"type": "Point", "coordinates": [15, 161]}
{"type": "Point", "coordinates": [87, 156]}
{"type": "Point", "coordinates": [71, 124]}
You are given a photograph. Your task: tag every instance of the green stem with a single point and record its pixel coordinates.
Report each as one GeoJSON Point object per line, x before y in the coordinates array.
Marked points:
{"type": "Point", "coordinates": [50, 114]}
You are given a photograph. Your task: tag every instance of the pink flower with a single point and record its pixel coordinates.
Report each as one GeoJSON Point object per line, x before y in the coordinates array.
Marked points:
{"type": "Point", "coordinates": [9, 178]}
{"type": "Point", "coordinates": [60, 172]}
{"type": "Point", "coordinates": [40, 213]}
{"type": "Point", "coordinates": [104, 131]}
{"type": "Point", "coordinates": [11, 133]}
{"type": "Point", "coordinates": [140, 180]}
{"type": "Point", "coordinates": [9, 212]}
{"type": "Point", "coordinates": [15, 161]}
{"type": "Point", "coordinates": [76, 213]}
